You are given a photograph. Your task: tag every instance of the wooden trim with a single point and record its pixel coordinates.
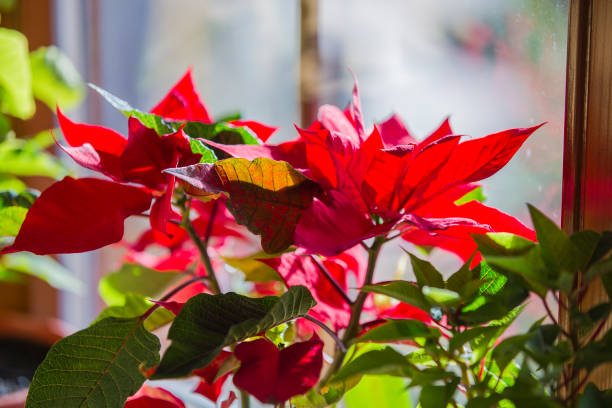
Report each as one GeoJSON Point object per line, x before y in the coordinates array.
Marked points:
{"type": "Point", "coordinates": [309, 61]}
{"type": "Point", "coordinates": [35, 20]}
{"type": "Point", "coordinates": [587, 167]}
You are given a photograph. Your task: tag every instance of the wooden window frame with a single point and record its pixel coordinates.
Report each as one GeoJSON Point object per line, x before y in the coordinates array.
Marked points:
{"type": "Point", "coordinates": [587, 159]}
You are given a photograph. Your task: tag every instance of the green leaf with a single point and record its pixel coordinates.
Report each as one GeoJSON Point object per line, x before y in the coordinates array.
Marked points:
{"type": "Point", "coordinates": [558, 250]}
{"type": "Point", "coordinates": [23, 199]}
{"type": "Point", "coordinates": [595, 353]}
{"type": "Point", "coordinates": [133, 278]}
{"type": "Point", "coordinates": [442, 297]}
{"type": "Point", "coordinates": [96, 367]}
{"type": "Point", "coordinates": [508, 349]}
{"type": "Point", "coordinates": [254, 270]}
{"type": "Point", "coordinates": [266, 196]}
{"type": "Point", "coordinates": [400, 329]}
{"type": "Point", "coordinates": [438, 396]}
{"type": "Point", "coordinates": [458, 280]}
{"type": "Point", "coordinates": [11, 219]}
{"type": "Point", "coordinates": [9, 183]}
{"type": "Point", "coordinates": [593, 397]}
{"type": "Point", "coordinates": [380, 391]}
{"type": "Point", "coordinates": [55, 80]}
{"type": "Point", "coordinates": [207, 323]}
{"type": "Point", "coordinates": [19, 157]}
{"type": "Point", "coordinates": [45, 268]}
{"type": "Point", "coordinates": [587, 243]}
{"type": "Point", "coordinates": [502, 243]}
{"type": "Point", "coordinates": [155, 122]}
{"type": "Point", "coordinates": [15, 75]}
{"type": "Point", "coordinates": [219, 132]}
{"type": "Point", "coordinates": [495, 281]}
{"type": "Point", "coordinates": [385, 361]}
{"type": "Point", "coordinates": [403, 291]}
{"type": "Point", "coordinates": [198, 147]}
{"type": "Point", "coordinates": [425, 273]}
{"type": "Point", "coordinates": [476, 194]}
{"type": "Point", "coordinates": [460, 338]}
{"type": "Point", "coordinates": [136, 306]}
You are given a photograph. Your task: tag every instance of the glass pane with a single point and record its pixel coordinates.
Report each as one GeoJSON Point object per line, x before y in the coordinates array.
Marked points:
{"type": "Point", "coordinates": [489, 64]}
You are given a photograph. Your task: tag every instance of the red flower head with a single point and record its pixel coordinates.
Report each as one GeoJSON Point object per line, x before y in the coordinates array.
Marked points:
{"type": "Point", "coordinates": [274, 375]}
{"type": "Point", "coordinates": [382, 180]}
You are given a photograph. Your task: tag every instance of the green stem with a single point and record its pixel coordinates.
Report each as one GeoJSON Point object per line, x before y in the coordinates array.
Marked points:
{"type": "Point", "coordinates": [356, 308]}
{"type": "Point", "coordinates": [201, 245]}
{"type": "Point", "coordinates": [245, 399]}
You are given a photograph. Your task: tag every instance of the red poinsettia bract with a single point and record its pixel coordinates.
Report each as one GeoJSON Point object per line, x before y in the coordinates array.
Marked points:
{"type": "Point", "coordinates": [153, 397]}
{"type": "Point", "coordinates": [273, 375]}
{"type": "Point", "coordinates": [383, 180]}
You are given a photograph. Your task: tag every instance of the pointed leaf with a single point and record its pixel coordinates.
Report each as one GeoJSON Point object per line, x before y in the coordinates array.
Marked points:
{"type": "Point", "coordinates": [426, 274]}
{"type": "Point", "coordinates": [207, 323]}
{"type": "Point", "coordinates": [385, 361]}
{"type": "Point", "coordinates": [407, 292]}
{"type": "Point", "coordinates": [152, 121]}
{"type": "Point", "coordinates": [399, 330]}
{"type": "Point", "coordinates": [266, 196]}
{"type": "Point", "coordinates": [98, 366]}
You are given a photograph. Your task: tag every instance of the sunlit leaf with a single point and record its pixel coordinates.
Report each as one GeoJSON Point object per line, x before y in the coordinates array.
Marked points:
{"type": "Point", "coordinates": [15, 75]}
{"type": "Point", "coordinates": [207, 323]}
{"type": "Point", "coordinates": [136, 279]}
{"type": "Point", "coordinates": [385, 361]}
{"type": "Point", "coordinates": [55, 80]}
{"type": "Point", "coordinates": [136, 306]}
{"type": "Point", "coordinates": [97, 367]}
{"type": "Point", "coordinates": [379, 391]}
{"type": "Point", "coordinates": [45, 268]}
{"type": "Point", "coordinates": [266, 196]}
{"type": "Point", "coordinates": [407, 292]}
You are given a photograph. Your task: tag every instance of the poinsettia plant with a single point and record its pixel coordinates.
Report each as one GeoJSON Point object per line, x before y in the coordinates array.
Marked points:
{"type": "Point", "coordinates": [314, 323]}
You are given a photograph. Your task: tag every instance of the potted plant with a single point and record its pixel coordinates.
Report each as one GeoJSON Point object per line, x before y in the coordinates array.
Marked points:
{"type": "Point", "coordinates": [323, 205]}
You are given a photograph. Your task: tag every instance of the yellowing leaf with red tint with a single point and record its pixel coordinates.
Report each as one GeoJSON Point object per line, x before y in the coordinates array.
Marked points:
{"type": "Point", "coordinates": [266, 196]}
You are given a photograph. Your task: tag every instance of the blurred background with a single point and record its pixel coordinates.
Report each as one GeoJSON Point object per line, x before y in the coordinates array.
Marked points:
{"type": "Point", "coordinates": [488, 64]}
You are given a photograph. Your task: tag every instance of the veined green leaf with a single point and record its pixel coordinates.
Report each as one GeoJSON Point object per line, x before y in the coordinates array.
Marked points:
{"type": "Point", "coordinates": [207, 323]}
{"type": "Point", "coordinates": [96, 367]}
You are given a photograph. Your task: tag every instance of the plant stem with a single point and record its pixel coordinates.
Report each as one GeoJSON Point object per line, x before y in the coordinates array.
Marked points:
{"type": "Point", "coordinates": [201, 245]}
{"type": "Point", "coordinates": [357, 307]}
{"type": "Point", "coordinates": [329, 331]}
{"type": "Point", "coordinates": [331, 279]}
{"type": "Point", "coordinates": [245, 399]}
